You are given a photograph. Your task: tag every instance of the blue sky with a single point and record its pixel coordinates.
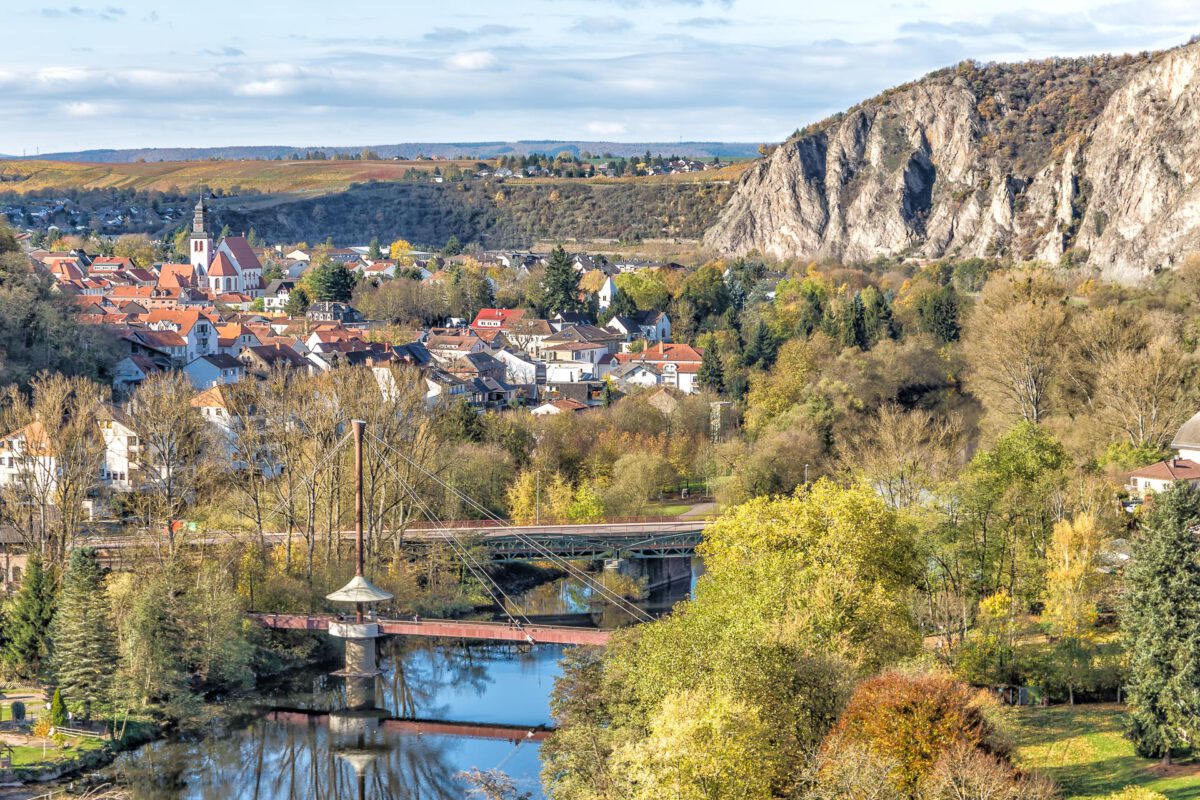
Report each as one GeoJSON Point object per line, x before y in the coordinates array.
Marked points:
{"type": "Point", "coordinates": [81, 74]}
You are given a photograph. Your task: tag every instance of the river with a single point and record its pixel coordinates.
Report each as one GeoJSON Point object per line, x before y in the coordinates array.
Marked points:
{"type": "Point", "coordinates": [302, 745]}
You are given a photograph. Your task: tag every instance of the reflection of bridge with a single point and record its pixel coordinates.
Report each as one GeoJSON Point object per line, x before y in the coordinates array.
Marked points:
{"type": "Point", "coordinates": [475, 730]}
{"type": "Point", "coordinates": [450, 629]}
{"type": "Point", "coordinates": [631, 538]}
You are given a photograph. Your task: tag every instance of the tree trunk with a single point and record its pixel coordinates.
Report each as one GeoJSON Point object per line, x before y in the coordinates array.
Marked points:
{"type": "Point", "coordinates": [1166, 759]}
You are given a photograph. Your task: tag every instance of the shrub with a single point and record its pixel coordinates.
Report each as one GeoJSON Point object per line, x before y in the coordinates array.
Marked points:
{"type": "Point", "coordinates": [914, 721]}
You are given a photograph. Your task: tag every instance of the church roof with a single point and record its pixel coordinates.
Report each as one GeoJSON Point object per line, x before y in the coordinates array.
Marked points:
{"type": "Point", "coordinates": [243, 253]}
{"type": "Point", "coordinates": [222, 267]}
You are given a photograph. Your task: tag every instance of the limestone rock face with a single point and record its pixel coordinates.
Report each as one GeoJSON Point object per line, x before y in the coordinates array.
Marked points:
{"type": "Point", "coordinates": [1102, 165]}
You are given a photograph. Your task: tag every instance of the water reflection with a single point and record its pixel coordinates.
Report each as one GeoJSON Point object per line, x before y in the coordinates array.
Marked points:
{"type": "Point", "coordinates": [300, 750]}
{"type": "Point", "coordinates": [304, 746]}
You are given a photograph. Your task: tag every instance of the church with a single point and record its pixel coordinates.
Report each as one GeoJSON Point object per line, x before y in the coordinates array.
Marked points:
{"type": "Point", "coordinates": [232, 268]}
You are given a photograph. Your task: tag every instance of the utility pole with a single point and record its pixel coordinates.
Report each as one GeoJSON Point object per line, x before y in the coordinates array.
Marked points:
{"type": "Point", "coordinates": [537, 498]}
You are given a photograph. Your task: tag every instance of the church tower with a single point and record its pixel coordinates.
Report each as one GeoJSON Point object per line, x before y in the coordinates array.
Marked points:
{"type": "Point", "coordinates": [201, 241]}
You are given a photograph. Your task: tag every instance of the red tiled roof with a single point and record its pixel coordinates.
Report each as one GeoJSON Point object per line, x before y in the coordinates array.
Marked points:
{"type": "Point", "coordinates": [243, 253]}
{"type": "Point", "coordinates": [222, 267]}
{"type": "Point", "coordinates": [1173, 469]}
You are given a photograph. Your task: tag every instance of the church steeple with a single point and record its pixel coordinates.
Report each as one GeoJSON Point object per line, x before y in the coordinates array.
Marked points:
{"type": "Point", "coordinates": [200, 218]}
{"type": "Point", "coordinates": [201, 241]}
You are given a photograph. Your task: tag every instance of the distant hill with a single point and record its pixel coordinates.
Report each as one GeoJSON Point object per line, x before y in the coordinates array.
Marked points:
{"type": "Point", "coordinates": [411, 150]}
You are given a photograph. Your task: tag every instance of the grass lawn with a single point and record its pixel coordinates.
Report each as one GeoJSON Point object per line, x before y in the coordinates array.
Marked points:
{"type": "Point", "coordinates": [667, 509]}
{"type": "Point", "coordinates": [1083, 749]}
{"type": "Point", "coordinates": [31, 755]}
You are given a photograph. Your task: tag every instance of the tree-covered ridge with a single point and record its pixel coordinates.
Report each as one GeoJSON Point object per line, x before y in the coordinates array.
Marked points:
{"type": "Point", "coordinates": [38, 329]}
{"type": "Point", "coordinates": [492, 213]}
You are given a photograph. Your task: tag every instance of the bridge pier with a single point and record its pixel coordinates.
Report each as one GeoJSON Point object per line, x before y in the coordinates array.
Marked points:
{"type": "Point", "coordinates": [657, 572]}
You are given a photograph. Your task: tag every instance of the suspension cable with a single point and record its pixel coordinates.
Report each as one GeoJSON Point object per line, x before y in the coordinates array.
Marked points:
{"type": "Point", "coordinates": [473, 565]}
{"type": "Point", "coordinates": [618, 600]}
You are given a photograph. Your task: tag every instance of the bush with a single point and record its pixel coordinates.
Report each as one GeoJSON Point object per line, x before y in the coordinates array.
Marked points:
{"type": "Point", "coordinates": [914, 721]}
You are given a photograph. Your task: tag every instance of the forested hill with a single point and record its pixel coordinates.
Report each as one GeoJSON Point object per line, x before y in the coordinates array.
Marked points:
{"type": "Point", "coordinates": [1087, 160]}
{"type": "Point", "coordinates": [493, 214]}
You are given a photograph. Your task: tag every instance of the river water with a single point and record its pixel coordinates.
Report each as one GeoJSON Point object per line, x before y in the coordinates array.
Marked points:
{"type": "Point", "coordinates": [303, 745]}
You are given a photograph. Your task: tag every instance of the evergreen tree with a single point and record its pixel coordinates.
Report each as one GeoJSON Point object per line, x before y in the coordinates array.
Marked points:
{"type": "Point", "coordinates": [879, 321]}
{"type": "Point", "coordinates": [852, 324]}
{"type": "Point", "coordinates": [252, 238]}
{"type": "Point", "coordinates": [298, 302]}
{"type": "Point", "coordinates": [58, 710]}
{"type": "Point", "coordinates": [453, 246]}
{"type": "Point", "coordinates": [937, 313]}
{"type": "Point", "coordinates": [762, 348]}
{"type": "Point", "coordinates": [28, 630]}
{"type": "Point", "coordinates": [560, 286]}
{"type": "Point", "coordinates": [374, 252]}
{"type": "Point", "coordinates": [622, 305]}
{"type": "Point", "coordinates": [331, 282]}
{"type": "Point", "coordinates": [85, 650]}
{"type": "Point", "coordinates": [711, 374]}
{"type": "Point", "coordinates": [1161, 624]}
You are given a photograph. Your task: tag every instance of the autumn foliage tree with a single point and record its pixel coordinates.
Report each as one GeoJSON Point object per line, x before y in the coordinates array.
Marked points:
{"type": "Point", "coordinates": [913, 721]}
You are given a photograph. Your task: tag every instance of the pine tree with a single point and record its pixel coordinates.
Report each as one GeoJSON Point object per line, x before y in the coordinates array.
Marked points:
{"type": "Point", "coordinates": [28, 630]}
{"type": "Point", "coordinates": [762, 348]}
{"type": "Point", "coordinates": [298, 302]}
{"type": "Point", "coordinates": [331, 282]}
{"type": "Point", "coordinates": [373, 251]}
{"type": "Point", "coordinates": [560, 286]}
{"type": "Point", "coordinates": [85, 650]}
{"type": "Point", "coordinates": [852, 324]}
{"type": "Point", "coordinates": [711, 374]}
{"type": "Point", "coordinates": [1161, 624]}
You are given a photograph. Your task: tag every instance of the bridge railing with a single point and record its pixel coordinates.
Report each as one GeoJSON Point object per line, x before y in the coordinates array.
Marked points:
{"type": "Point", "coordinates": [544, 522]}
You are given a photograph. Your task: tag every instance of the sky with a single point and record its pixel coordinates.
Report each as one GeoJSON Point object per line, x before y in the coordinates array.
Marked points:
{"type": "Point", "coordinates": [84, 74]}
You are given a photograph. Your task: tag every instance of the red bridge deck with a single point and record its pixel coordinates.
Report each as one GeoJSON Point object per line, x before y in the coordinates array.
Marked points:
{"type": "Point", "coordinates": [451, 629]}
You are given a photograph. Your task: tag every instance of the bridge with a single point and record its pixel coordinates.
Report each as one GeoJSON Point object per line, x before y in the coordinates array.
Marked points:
{"type": "Point", "coordinates": [449, 629]}
{"type": "Point", "coordinates": [633, 537]}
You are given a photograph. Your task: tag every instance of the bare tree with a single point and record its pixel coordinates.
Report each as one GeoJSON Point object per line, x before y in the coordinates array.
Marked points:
{"type": "Point", "coordinates": [1146, 394]}
{"type": "Point", "coordinates": [181, 452]}
{"type": "Point", "coordinates": [57, 455]}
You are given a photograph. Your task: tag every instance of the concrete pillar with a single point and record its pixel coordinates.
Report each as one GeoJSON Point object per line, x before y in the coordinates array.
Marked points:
{"type": "Point", "coordinates": [360, 647]}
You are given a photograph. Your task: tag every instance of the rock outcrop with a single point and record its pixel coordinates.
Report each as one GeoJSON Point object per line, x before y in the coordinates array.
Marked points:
{"type": "Point", "coordinates": [1093, 158]}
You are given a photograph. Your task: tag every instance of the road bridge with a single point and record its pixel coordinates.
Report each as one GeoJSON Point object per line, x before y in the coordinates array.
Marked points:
{"type": "Point", "coordinates": [639, 538]}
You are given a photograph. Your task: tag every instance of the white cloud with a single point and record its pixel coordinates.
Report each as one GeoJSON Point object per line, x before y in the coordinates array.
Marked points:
{"type": "Point", "coordinates": [82, 109]}
{"type": "Point", "coordinates": [473, 61]}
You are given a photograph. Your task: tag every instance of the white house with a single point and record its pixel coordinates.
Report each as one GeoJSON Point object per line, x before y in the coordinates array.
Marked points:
{"type": "Point", "coordinates": [564, 406]}
{"type": "Point", "coordinates": [122, 450]}
{"type": "Point", "coordinates": [214, 370]}
{"type": "Point", "coordinates": [1183, 466]}
{"type": "Point", "coordinates": [606, 293]}
{"type": "Point", "coordinates": [520, 368]}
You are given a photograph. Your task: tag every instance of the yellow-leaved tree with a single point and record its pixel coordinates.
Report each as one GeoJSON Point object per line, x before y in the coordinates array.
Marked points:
{"type": "Point", "coordinates": [1074, 586]}
{"type": "Point", "coordinates": [773, 393]}
{"type": "Point", "coordinates": [702, 745]}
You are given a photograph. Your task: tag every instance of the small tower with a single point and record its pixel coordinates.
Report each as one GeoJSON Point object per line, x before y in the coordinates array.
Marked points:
{"type": "Point", "coordinates": [200, 241]}
{"type": "Point", "coordinates": [359, 635]}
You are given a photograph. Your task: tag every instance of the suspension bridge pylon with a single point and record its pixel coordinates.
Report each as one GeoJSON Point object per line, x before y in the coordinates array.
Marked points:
{"type": "Point", "coordinates": [360, 635]}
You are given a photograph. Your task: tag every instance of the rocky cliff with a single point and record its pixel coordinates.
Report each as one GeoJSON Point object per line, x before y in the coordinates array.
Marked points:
{"type": "Point", "coordinates": [1095, 158]}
